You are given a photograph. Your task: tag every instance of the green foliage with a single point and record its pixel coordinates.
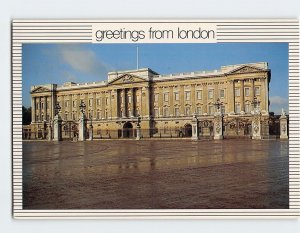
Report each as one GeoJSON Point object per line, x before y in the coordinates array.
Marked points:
{"type": "Point", "coordinates": [26, 115]}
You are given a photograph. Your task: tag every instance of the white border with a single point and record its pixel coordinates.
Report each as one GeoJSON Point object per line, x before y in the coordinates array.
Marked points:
{"type": "Point", "coordinates": [227, 31]}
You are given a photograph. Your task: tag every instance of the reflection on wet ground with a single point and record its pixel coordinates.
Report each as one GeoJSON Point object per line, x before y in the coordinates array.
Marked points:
{"type": "Point", "coordinates": [155, 174]}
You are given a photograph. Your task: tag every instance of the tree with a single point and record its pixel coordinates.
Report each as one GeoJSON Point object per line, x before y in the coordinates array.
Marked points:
{"type": "Point", "coordinates": [26, 115]}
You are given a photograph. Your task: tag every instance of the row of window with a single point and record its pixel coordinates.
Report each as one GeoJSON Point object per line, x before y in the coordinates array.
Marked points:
{"type": "Point", "coordinates": [210, 94]}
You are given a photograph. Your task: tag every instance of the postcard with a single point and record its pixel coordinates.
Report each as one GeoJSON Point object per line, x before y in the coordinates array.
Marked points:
{"type": "Point", "coordinates": [155, 119]}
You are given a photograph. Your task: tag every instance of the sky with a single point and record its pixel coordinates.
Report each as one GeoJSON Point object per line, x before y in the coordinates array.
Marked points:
{"type": "Point", "coordinates": [59, 63]}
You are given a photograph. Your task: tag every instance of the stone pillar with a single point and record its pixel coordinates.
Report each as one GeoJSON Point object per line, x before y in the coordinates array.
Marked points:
{"type": "Point", "coordinates": [283, 126]}
{"type": "Point", "coordinates": [50, 131]}
{"type": "Point", "coordinates": [131, 113]}
{"type": "Point", "coordinates": [57, 128]}
{"type": "Point", "coordinates": [45, 108]}
{"type": "Point", "coordinates": [82, 128]}
{"type": "Point", "coordinates": [242, 98]}
{"type": "Point", "coordinates": [195, 128]}
{"type": "Point", "coordinates": [33, 113]}
{"type": "Point", "coordinates": [124, 103]}
{"type": "Point", "coordinates": [256, 126]}
{"type": "Point", "coordinates": [218, 125]}
{"type": "Point", "coordinates": [91, 134]}
{"type": "Point", "coordinates": [204, 95]}
{"type": "Point", "coordinates": [138, 132]}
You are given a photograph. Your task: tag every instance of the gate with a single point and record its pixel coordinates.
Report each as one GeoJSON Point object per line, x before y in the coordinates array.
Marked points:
{"type": "Point", "coordinates": [206, 128]}
{"type": "Point", "coordinates": [69, 130]}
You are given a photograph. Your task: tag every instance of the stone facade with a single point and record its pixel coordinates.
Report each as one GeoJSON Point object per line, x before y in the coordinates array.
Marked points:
{"type": "Point", "coordinates": [165, 103]}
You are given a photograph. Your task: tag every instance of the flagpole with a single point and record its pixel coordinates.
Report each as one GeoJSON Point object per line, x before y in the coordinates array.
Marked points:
{"type": "Point", "coordinates": [137, 57]}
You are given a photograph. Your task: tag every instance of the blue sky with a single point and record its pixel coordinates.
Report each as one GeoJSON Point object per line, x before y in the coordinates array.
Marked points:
{"type": "Point", "coordinates": [59, 63]}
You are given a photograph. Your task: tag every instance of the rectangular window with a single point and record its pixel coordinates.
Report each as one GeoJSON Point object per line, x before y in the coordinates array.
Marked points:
{"type": "Point", "coordinates": [90, 102]}
{"type": "Point", "coordinates": [67, 103]}
{"type": "Point", "coordinates": [187, 111]}
{"type": "Point", "coordinates": [98, 101]}
{"type": "Point", "coordinates": [237, 108]}
{"type": "Point", "coordinates": [247, 108]}
{"type": "Point", "coordinates": [188, 95]}
{"type": "Point", "coordinates": [210, 110]}
{"type": "Point", "coordinates": [177, 113]}
{"type": "Point", "coordinates": [66, 116]}
{"type": "Point", "coordinates": [199, 95]}
{"type": "Point", "coordinates": [156, 112]}
{"type": "Point", "coordinates": [106, 100]}
{"type": "Point", "coordinates": [176, 96]}
{"type": "Point", "coordinates": [155, 97]}
{"type": "Point", "coordinates": [223, 109]}
{"type": "Point", "coordinates": [74, 103]}
{"type": "Point", "coordinates": [199, 111]}
{"type": "Point", "coordinates": [166, 112]}
{"type": "Point", "coordinates": [247, 91]}
{"type": "Point", "coordinates": [210, 94]}
{"type": "Point", "coordinates": [237, 92]}
{"type": "Point", "coordinates": [222, 93]}
{"type": "Point", "coordinates": [42, 107]}
{"type": "Point", "coordinates": [166, 97]}
{"type": "Point", "coordinates": [257, 91]}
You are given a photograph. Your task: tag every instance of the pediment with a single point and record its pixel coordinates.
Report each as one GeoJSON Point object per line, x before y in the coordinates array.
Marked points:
{"type": "Point", "coordinates": [245, 69]}
{"type": "Point", "coordinates": [127, 78]}
{"type": "Point", "coordinates": [40, 90]}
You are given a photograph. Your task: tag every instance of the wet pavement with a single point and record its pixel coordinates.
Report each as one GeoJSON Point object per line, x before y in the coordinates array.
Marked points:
{"type": "Point", "coordinates": [155, 174]}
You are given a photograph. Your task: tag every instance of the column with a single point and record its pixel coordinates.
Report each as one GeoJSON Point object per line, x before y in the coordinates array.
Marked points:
{"type": "Point", "coordinates": [114, 103]}
{"type": "Point", "coordinates": [266, 94]}
{"type": "Point", "coordinates": [242, 95]}
{"type": "Point", "coordinates": [218, 126]}
{"type": "Point", "coordinates": [195, 128]}
{"type": "Point", "coordinates": [171, 96]}
{"type": "Point", "coordinates": [70, 107]}
{"type": "Point", "coordinates": [252, 94]}
{"type": "Point", "coordinates": [40, 108]}
{"type": "Point", "coordinates": [102, 104]}
{"type": "Point", "coordinates": [57, 128]}
{"type": "Point", "coordinates": [45, 107]}
{"type": "Point", "coordinates": [256, 126]}
{"type": "Point", "coordinates": [82, 127]}
{"type": "Point", "coordinates": [161, 101]}
{"type": "Point", "coordinates": [33, 111]}
{"type": "Point", "coordinates": [233, 95]}
{"type": "Point", "coordinates": [131, 113]}
{"type": "Point", "coordinates": [262, 95]}
{"type": "Point", "coordinates": [146, 102]}
{"type": "Point", "coordinates": [193, 99]}
{"type": "Point", "coordinates": [283, 126]}
{"type": "Point", "coordinates": [123, 102]}
{"type": "Point", "coordinates": [205, 110]}
{"type": "Point", "coordinates": [181, 100]}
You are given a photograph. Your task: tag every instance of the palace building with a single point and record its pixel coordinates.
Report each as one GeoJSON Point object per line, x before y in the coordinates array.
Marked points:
{"type": "Point", "coordinates": [164, 104]}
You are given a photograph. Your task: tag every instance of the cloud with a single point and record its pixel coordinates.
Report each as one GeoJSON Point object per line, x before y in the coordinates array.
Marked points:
{"type": "Point", "coordinates": [277, 103]}
{"type": "Point", "coordinates": [83, 60]}
{"type": "Point", "coordinates": [278, 100]}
